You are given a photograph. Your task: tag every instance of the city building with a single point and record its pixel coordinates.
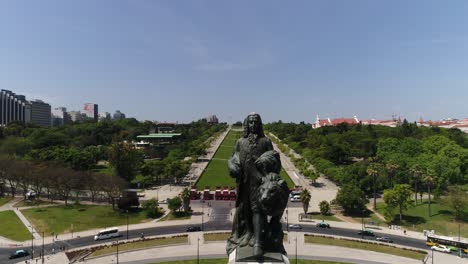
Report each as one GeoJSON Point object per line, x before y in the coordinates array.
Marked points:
{"type": "Point", "coordinates": [119, 115]}
{"type": "Point", "coordinates": [60, 116]}
{"type": "Point", "coordinates": [212, 119]}
{"type": "Point", "coordinates": [13, 108]}
{"type": "Point", "coordinates": [165, 127]}
{"type": "Point", "coordinates": [75, 116]}
{"type": "Point", "coordinates": [104, 116]}
{"type": "Point", "coordinates": [91, 111]}
{"type": "Point", "coordinates": [41, 114]}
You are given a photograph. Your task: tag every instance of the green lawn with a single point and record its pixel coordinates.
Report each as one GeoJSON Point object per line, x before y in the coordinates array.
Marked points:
{"type": "Point", "coordinates": [217, 261]}
{"type": "Point", "coordinates": [216, 236]}
{"type": "Point", "coordinates": [365, 246]}
{"type": "Point", "coordinates": [217, 174]}
{"type": "Point", "coordinates": [147, 243]}
{"type": "Point", "coordinates": [12, 228]}
{"type": "Point", "coordinates": [62, 219]}
{"type": "Point", "coordinates": [442, 219]}
{"type": "Point", "coordinates": [27, 203]}
{"type": "Point", "coordinates": [318, 216]}
{"type": "Point", "coordinates": [176, 216]}
{"type": "Point", "coordinates": [4, 200]}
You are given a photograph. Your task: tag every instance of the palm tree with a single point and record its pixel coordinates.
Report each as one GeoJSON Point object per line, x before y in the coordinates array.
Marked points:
{"type": "Point", "coordinates": [416, 170]}
{"type": "Point", "coordinates": [185, 195]}
{"type": "Point", "coordinates": [429, 181]}
{"type": "Point", "coordinates": [373, 172]}
{"type": "Point", "coordinates": [392, 169]}
{"type": "Point", "coordinates": [305, 199]}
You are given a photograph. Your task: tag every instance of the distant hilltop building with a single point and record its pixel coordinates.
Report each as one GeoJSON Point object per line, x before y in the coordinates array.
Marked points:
{"type": "Point", "coordinates": [15, 107]}
{"type": "Point", "coordinates": [446, 123]}
{"type": "Point", "coordinates": [212, 119]}
{"type": "Point", "coordinates": [333, 122]}
{"type": "Point", "coordinates": [119, 115]}
{"type": "Point", "coordinates": [91, 111]}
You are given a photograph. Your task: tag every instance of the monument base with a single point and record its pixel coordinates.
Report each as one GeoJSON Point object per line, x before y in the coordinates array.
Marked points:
{"type": "Point", "coordinates": [245, 256]}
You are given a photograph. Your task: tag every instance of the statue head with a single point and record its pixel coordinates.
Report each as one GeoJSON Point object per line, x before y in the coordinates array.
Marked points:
{"type": "Point", "coordinates": [253, 125]}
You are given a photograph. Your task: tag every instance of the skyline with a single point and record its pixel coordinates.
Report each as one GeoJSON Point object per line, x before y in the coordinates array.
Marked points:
{"type": "Point", "coordinates": [168, 61]}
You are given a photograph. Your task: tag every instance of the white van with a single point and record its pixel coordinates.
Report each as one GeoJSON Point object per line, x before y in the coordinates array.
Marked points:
{"type": "Point", "coordinates": [107, 233]}
{"type": "Point", "coordinates": [296, 198]}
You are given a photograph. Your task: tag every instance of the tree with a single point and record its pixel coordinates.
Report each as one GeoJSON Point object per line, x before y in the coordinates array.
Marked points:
{"type": "Point", "coordinates": [305, 199]}
{"type": "Point", "coordinates": [113, 187]}
{"type": "Point", "coordinates": [372, 171]}
{"type": "Point", "coordinates": [185, 195]}
{"type": "Point", "coordinates": [125, 159]}
{"type": "Point", "coordinates": [152, 208]}
{"type": "Point", "coordinates": [429, 181]}
{"type": "Point", "coordinates": [324, 207]}
{"type": "Point", "coordinates": [174, 204]}
{"type": "Point", "coordinates": [352, 199]}
{"type": "Point", "coordinates": [392, 169]}
{"type": "Point", "coordinates": [457, 199]}
{"type": "Point", "coordinates": [417, 172]}
{"type": "Point", "coordinates": [398, 197]}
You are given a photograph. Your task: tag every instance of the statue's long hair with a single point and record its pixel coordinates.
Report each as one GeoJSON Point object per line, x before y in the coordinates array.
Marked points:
{"type": "Point", "coordinates": [246, 126]}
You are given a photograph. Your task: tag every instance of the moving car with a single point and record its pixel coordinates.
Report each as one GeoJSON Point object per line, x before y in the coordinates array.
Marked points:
{"type": "Point", "coordinates": [193, 229]}
{"type": "Point", "coordinates": [366, 233]}
{"type": "Point", "coordinates": [107, 233]}
{"type": "Point", "coordinates": [384, 239]}
{"type": "Point", "coordinates": [19, 254]}
{"type": "Point", "coordinates": [295, 226]}
{"type": "Point", "coordinates": [323, 225]}
{"type": "Point", "coordinates": [441, 248]}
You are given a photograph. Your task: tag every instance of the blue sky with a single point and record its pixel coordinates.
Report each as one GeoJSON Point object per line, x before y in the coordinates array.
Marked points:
{"type": "Point", "coordinates": [287, 60]}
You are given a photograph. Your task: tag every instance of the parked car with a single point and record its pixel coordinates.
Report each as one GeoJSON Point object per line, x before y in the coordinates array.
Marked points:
{"type": "Point", "coordinates": [323, 225]}
{"type": "Point", "coordinates": [163, 201]}
{"type": "Point", "coordinates": [366, 233]}
{"type": "Point", "coordinates": [19, 254]}
{"type": "Point", "coordinates": [430, 243]}
{"type": "Point", "coordinates": [384, 239]}
{"type": "Point", "coordinates": [296, 198]}
{"type": "Point", "coordinates": [295, 226]}
{"type": "Point", "coordinates": [441, 248]}
{"type": "Point", "coordinates": [193, 229]}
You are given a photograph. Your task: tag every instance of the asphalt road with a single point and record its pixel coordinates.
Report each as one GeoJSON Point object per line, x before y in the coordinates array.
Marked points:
{"type": "Point", "coordinates": [216, 223]}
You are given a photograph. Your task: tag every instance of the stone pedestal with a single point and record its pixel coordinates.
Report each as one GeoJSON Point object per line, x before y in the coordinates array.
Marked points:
{"type": "Point", "coordinates": [244, 256]}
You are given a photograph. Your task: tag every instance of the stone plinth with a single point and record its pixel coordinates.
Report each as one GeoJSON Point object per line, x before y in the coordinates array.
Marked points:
{"type": "Point", "coordinates": [244, 256]}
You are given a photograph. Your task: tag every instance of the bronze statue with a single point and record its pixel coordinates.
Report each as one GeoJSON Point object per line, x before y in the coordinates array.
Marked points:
{"type": "Point", "coordinates": [261, 194]}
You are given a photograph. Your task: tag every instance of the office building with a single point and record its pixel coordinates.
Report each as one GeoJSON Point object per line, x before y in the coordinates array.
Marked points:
{"type": "Point", "coordinates": [13, 108]}
{"type": "Point", "coordinates": [91, 111]}
{"type": "Point", "coordinates": [119, 115]}
{"type": "Point", "coordinates": [104, 116]}
{"type": "Point", "coordinates": [75, 116]}
{"type": "Point", "coordinates": [60, 116]}
{"type": "Point", "coordinates": [41, 114]}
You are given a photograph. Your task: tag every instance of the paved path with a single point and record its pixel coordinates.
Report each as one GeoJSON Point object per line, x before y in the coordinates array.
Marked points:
{"type": "Point", "coordinates": [27, 224]}
{"type": "Point", "coordinates": [326, 189]}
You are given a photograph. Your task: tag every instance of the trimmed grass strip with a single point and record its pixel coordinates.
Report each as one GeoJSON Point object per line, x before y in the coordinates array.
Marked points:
{"type": "Point", "coordinates": [148, 243]}
{"type": "Point", "coordinates": [217, 261]}
{"type": "Point", "coordinates": [365, 246]}
{"type": "Point", "coordinates": [12, 228]}
{"type": "Point", "coordinates": [63, 219]}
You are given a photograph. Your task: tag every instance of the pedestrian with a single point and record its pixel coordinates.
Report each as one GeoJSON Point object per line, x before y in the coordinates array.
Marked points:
{"type": "Point", "coordinates": [53, 251]}
{"type": "Point", "coordinates": [404, 231]}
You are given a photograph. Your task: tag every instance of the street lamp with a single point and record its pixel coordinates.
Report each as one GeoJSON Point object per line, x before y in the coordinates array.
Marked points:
{"type": "Point", "coordinates": [32, 242]}
{"type": "Point", "coordinates": [198, 251]}
{"type": "Point", "coordinates": [127, 224]}
{"type": "Point", "coordinates": [203, 214]}
{"type": "Point", "coordinates": [42, 247]}
{"type": "Point", "coordinates": [117, 251]}
{"type": "Point", "coordinates": [296, 248]}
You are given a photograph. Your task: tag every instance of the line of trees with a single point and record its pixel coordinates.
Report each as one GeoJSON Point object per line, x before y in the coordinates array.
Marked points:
{"type": "Point", "coordinates": [55, 182]}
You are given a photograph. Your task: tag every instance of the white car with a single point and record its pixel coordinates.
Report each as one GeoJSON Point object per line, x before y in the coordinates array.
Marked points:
{"type": "Point", "coordinates": [441, 248]}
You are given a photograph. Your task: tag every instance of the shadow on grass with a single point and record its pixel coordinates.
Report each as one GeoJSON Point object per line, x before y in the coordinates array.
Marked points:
{"type": "Point", "coordinates": [365, 214]}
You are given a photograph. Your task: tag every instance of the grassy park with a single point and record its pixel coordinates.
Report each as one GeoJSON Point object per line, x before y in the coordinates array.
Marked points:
{"type": "Point", "coordinates": [442, 219]}
{"type": "Point", "coordinates": [4, 200]}
{"type": "Point", "coordinates": [365, 246]}
{"type": "Point", "coordinates": [12, 228]}
{"type": "Point", "coordinates": [217, 174]}
{"type": "Point", "coordinates": [64, 219]}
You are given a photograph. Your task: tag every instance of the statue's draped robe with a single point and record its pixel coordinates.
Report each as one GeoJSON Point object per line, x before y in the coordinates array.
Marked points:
{"type": "Point", "coordinates": [242, 166]}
